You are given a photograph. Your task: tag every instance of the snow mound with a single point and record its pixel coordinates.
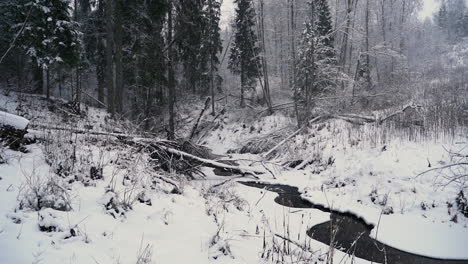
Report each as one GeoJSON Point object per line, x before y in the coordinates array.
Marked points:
{"type": "Point", "coordinates": [18, 122]}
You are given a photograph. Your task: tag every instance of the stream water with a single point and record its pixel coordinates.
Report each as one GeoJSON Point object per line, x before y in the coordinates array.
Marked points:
{"type": "Point", "coordinates": [352, 233]}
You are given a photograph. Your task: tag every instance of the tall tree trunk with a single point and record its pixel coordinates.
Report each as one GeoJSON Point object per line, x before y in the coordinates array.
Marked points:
{"type": "Point", "coordinates": [344, 43]}
{"type": "Point", "coordinates": [293, 61]}
{"type": "Point", "coordinates": [48, 82]}
{"type": "Point", "coordinates": [100, 64]}
{"type": "Point", "coordinates": [170, 74]}
{"type": "Point", "coordinates": [118, 57]}
{"type": "Point", "coordinates": [212, 51]}
{"type": "Point", "coordinates": [59, 73]}
{"type": "Point", "coordinates": [350, 58]}
{"type": "Point", "coordinates": [402, 26]}
{"type": "Point", "coordinates": [109, 57]}
{"type": "Point", "coordinates": [242, 99]}
{"type": "Point", "coordinates": [368, 72]}
{"type": "Point", "coordinates": [77, 95]}
{"type": "Point", "coordinates": [264, 61]}
{"type": "Point", "coordinates": [38, 79]}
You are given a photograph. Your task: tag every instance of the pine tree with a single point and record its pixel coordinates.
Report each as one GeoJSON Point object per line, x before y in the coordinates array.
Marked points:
{"type": "Point", "coordinates": [244, 58]}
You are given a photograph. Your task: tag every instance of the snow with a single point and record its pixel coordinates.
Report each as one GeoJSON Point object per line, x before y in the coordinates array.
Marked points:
{"type": "Point", "coordinates": [175, 220]}
{"type": "Point", "coordinates": [419, 235]}
{"type": "Point", "coordinates": [233, 223]}
{"type": "Point", "coordinates": [357, 172]}
{"type": "Point", "coordinates": [370, 163]}
{"type": "Point", "coordinates": [18, 122]}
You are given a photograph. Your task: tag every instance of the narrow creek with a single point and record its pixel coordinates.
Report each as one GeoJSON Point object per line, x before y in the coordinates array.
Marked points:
{"type": "Point", "coordinates": [352, 235]}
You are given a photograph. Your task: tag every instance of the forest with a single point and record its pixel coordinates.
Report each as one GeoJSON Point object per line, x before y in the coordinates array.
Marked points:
{"type": "Point", "coordinates": [233, 131]}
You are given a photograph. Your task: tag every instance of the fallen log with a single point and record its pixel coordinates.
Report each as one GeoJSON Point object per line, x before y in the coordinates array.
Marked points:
{"type": "Point", "coordinates": [166, 150]}
{"type": "Point", "coordinates": [203, 161]}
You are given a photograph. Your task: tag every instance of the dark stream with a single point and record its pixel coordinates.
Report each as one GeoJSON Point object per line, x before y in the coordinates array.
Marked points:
{"type": "Point", "coordinates": [352, 235]}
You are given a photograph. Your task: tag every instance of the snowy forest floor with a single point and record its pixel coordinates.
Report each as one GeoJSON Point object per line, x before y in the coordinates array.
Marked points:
{"type": "Point", "coordinates": [82, 198]}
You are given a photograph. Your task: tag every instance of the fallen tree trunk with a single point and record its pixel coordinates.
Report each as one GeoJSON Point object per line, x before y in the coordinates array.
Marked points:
{"type": "Point", "coordinates": [377, 118]}
{"type": "Point", "coordinates": [198, 161]}
{"type": "Point", "coordinates": [191, 155]}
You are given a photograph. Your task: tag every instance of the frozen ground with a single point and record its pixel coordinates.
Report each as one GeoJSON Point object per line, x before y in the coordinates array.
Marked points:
{"type": "Point", "coordinates": [227, 224]}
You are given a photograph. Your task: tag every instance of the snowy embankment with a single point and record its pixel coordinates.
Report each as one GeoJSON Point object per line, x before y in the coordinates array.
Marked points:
{"type": "Point", "coordinates": [409, 212]}
{"type": "Point", "coordinates": [375, 178]}
{"type": "Point", "coordinates": [88, 234]}
{"type": "Point", "coordinates": [77, 198]}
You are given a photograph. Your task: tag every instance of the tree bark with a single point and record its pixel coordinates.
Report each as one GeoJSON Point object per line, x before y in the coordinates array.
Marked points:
{"type": "Point", "coordinates": [171, 79]}
{"type": "Point", "coordinates": [109, 57]}
{"type": "Point", "coordinates": [118, 57]}
{"type": "Point", "coordinates": [266, 85]}
{"type": "Point", "coordinates": [100, 63]}
{"type": "Point", "coordinates": [48, 83]}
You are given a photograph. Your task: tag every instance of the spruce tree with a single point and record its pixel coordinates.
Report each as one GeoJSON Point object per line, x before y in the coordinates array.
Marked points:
{"type": "Point", "coordinates": [212, 44]}
{"type": "Point", "coordinates": [189, 28]}
{"type": "Point", "coordinates": [441, 17]}
{"type": "Point", "coordinates": [244, 58]}
{"type": "Point", "coordinates": [324, 25]}
{"type": "Point", "coordinates": [50, 36]}
{"type": "Point", "coordinates": [317, 63]}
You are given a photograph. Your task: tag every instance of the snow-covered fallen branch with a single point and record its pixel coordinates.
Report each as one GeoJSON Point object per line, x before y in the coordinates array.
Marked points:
{"type": "Point", "coordinates": [207, 162]}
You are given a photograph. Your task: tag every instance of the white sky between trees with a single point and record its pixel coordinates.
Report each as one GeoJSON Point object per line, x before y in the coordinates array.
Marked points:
{"type": "Point", "coordinates": [228, 8]}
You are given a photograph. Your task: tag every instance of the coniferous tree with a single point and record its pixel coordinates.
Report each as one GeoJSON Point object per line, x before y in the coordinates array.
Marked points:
{"type": "Point", "coordinates": [317, 63]}
{"type": "Point", "coordinates": [189, 27]}
{"type": "Point", "coordinates": [441, 17]}
{"type": "Point", "coordinates": [212, 44]}
{"type": "Point", "coordinates": [324, 26]}
{"type": "Point", "coordinates": [244, 59]}
{"type": "Point", "coordinates": [49, 36]}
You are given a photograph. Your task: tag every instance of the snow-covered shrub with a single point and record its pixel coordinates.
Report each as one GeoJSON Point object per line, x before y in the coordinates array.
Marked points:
{"type": "Point", "coordinates": [60, 152]}
{"type": "Point", "coordinates": [222, 198]}
{"type": "Point", "coordinates": [462, 203]}
{"type": "Point", "coordinates": [219, 246]}
{"type": "Point", "coordinates": [40, 191]}
{"type": "Point", "coordinates": [48, 221]}
{"type": "Point", "coordinates": [113, 205]}
{"type": "Point", "coordinates": [75, 158]}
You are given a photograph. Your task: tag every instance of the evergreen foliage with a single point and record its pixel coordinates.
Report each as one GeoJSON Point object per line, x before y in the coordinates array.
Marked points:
{"type": "Point", "coordinates": [244, 59]}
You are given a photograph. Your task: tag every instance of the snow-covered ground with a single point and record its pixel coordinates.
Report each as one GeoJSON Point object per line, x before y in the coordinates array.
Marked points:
{"type": "Point", "coordinates": [374, 176]}
{"type": "Point", "coordinates": [129, 216]}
